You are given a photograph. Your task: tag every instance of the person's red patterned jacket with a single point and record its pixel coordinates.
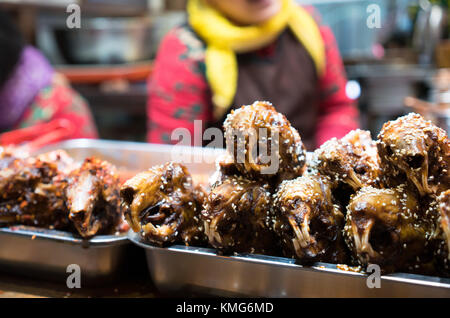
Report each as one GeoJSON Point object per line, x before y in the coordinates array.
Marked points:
{"type": "Point", "coordinates": [179, 92]}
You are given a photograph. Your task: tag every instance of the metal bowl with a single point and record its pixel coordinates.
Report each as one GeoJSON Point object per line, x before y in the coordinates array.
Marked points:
{"type": "Point", "coordinates": [107, 41]}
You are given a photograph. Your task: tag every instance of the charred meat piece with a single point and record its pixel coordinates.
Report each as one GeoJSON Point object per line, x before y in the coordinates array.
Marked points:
{"type": "Point", "coordinates": [307, 221]}
{"type": "Point", "coordinates": [416, 151]}
{"type": "Point", "coordinates": [263, 143]}
{"type": "Point", "coordinates": [32, 193]}
{"type": "Point", "coordinates": [352, 160]}
{"type": "Point", "coordinates": [93, 198]}
{"type": "Point", "coordinates": [163, 206]}
{"type": "Point", "coordinates": [386, 227]}
{"type": "Point", "coordinates": [51, 190]}
{"type": "Point", "coordinates": [236, 216]}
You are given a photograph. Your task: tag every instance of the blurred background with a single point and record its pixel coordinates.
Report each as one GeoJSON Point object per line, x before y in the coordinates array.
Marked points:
{"type": "Point", "coordinates": [392, 70]}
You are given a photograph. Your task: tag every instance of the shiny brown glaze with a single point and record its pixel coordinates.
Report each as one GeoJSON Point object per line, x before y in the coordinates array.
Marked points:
{"type": "Point", "coordinates": [93, 198]}
{"type": "Point", "coordinates": [352, 160]}
{"type": "Point", "coordinates": [32, 193]}
{"type": "Point", "coordinates": [386, 227]}
{"type": "Point", "coordinates": [414, 150]}
{"type": "Point", "coordinates": [53, 191]}
{"type": "Point", "coordinates": [236, 216]}
{"type": "Point", "coordinates": [307, 221]}
{"type": "Point", "coordinates": [442, 252]}
{"type": "Point", "coordinates": [163, 206]}
{"type": "Point", "coordinates": [244, 129]}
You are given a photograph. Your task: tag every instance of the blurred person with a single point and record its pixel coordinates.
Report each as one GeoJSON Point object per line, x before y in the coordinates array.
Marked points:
{"type": "Point", "coordinates": [231, 53]}
{"type": "Point", "coordinates": [32, 93]}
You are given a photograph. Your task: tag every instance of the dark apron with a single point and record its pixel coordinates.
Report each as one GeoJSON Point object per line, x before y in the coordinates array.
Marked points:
{"type": "Point", "coordinates": [284, 74]}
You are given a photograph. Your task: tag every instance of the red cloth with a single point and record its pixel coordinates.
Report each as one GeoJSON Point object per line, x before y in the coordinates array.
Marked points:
{"type": "Point", "coordinates": [60, 101]}
{"type": "Point", "coordinates": [338, 114]}
{"type": "Point", "coordinates": [179, 92]}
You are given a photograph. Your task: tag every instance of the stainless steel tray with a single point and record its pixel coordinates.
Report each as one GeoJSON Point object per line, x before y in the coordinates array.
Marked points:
{"type": "Point", "coordinates": [133, 157]}
{"type": "Point", "coordinates": [180, 268]}
{"type": "Point", "coordinates": [46, 254]}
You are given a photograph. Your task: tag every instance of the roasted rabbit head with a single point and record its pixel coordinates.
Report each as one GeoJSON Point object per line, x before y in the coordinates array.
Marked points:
{"type": "Point", "coordinates": [163, 205]}
{"type": "Point", "coordinates": [93, 198]}
{"type": "Point", "coordinates": [352, 160]}
{"type": "Point", "coordinates": [416, 151]}
{"type": "Point", "coordinates": [386, 227]}
{"type": "Point", "coordinates": [263, 143]}
{"type": "Point", "coordinates": [236, 216]}
{"type": "Point", "coordinates": [308, 222]}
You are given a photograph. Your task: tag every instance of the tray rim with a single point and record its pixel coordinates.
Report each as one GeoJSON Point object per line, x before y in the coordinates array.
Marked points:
{"type": "Point", "coordinates": [35, 233]}
{"type": "Point", "coordinates": [412, 279]}
{"type": "Point", "coordinates": [130, 145]}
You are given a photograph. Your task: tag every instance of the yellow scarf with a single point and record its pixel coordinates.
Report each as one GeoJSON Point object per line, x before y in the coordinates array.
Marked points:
{"type": "Point", "coordinates": [224, 39]}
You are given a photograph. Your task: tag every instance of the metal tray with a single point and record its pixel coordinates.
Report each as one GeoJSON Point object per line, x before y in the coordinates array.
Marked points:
{"type": "Point", "coordinates": [133, 157]}
{"type": "Point", "coordinates": [46, 254]}
{"type": "Point", "coordinates": [181, 268]}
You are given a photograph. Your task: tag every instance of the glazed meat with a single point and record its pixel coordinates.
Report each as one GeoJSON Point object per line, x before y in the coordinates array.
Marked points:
{"type": "Point", "coordinates": [352, 160]}
{"type": "Point", "coordinates": [32, 193]}
{"type": "Point", "coordinates": [263, 143]}
{"type": "Point", "coordinates": [386, 227]}
{"type": "Point", "coordinates": [416, 151]}
{"type": "Point", "coordinates": [307, 221]}
{"type": "Point", "coordinates": [443, 247]}
{"type": "Point", "coordinates": [236, 216]}
{"type": "Point", "coordinates": [225, 166]}
{"type": "Point", "coordinates": [51, 191]}
{"type": "Point", "coordinates": [163, 205]}
{"type": "Point", "coordinates": [93, 198]}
